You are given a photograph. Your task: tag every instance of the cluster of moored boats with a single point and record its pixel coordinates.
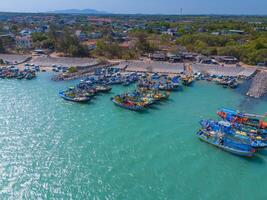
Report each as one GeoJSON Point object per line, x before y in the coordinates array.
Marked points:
{"type": "Point", "coordinates": [227, 82]}
{"type": "Point", "coordinates": [239, 133]}
{"type": "Point", "coordinates": [14, 73]}
{"type": "Point", "coordinates": [140, 99]}
{"type": "Point", "coordinates": [151, 88]}
{"type": "Point", "coordinates": [83, 92]}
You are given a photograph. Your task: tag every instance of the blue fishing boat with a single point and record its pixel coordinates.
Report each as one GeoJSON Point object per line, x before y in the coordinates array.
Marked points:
{"type": "Point", "coordinates": [230, 132]}
{"type": "Point", "coordinates": [235, 116]}
{"type": "Point", "coordinates": [218, 140]}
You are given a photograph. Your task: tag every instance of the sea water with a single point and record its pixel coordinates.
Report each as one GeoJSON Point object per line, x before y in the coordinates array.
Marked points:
{"type": "Point", "coordinates": [54, 149]}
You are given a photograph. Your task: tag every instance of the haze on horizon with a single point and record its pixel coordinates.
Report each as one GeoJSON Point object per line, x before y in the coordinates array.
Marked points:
{"type": "Point", "coordinates": [237, 7]}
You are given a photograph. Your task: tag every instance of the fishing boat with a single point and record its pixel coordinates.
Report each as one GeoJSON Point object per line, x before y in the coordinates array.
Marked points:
{"type": "Point", "coordinates": [217, 139]}
{"type": "Point", "coordinates": [169, 87]}
{"type": "Point", "coordinates": [127, 104]}
{"type": "Point", "coordinates": [233, 84]}
{"type": "Point", "coordinates": [30, 76]}
{"type": "Point", "coordinates": [235, 116]}
{"type": "Point", "coordinates": [103, 88]}
{"type": "Point", "coordinates": [230, 132]}
{"type": "Point", "coordinates": [20, 76]}
{"type": "Point", "coordinates": [228, 82]}
{"type": "Point", "coordinates": [156, 95]}
{"type": "Point", "coordinates": [74, 98]}
{"type": "Point", "coordinates": [187, 80]}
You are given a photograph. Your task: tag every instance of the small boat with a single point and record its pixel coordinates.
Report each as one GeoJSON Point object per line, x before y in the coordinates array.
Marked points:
{"type": "Point", "coordinates": [126, 83]}
{"type": "Point", "coordinates": [187, 80]}
{"type": "Point", "coordinates": [233, 84]}
{"type": "Point", "coordinates": [209, 79]}
{"type": "Point", "coordinates": [103, 88]}
{"type": "Point", "coordinates": [79, 99]}
{"type": "Point", "coordinates": [218, 140]}
{"type": "Point", "coordinates": [30, 76]}
{"type": "Point", "coordinates": [20, 76]}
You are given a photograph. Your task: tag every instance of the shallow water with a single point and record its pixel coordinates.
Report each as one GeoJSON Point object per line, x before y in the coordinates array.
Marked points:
{"type": "Point", "coordinates": [53, 149]}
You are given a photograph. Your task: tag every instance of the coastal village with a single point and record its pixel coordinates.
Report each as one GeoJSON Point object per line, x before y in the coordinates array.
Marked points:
{"type": "Point", "coordinates": [152, 54]}
{"type": "Point", "coordinates": [154, 44]}
{"type": "Point", "coordinates": [99, 105]}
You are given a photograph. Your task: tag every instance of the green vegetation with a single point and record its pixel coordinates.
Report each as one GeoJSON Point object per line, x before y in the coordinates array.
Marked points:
{"type": "Point", "coordinates": [60, 41]}
{"type": "Point", "coordinates": [250, 49]}
{"type": "Point", "coordinates": [112, 50]}
{"type": "Point", "coordinates": [131, 36]}
{"type": "Point", "coordinates": [72, 70]}
{"type": "Point", "coordinates": [2, 49]}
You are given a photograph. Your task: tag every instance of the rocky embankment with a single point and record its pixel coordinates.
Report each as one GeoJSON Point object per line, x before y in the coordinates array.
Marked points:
{"type": "Point", "coordinates": [258, 86]}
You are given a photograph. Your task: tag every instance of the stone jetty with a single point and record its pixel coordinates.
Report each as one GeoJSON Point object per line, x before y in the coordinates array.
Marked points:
{"type": "Point", "coordinates": [258, 86]}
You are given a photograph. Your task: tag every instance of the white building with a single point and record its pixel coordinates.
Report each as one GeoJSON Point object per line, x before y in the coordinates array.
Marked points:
{"type": "Point", "coordinates": [24, 42]}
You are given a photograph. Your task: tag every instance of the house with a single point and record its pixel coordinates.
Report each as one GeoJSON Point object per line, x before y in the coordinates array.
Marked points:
{"type": "Point", "coordinates": [39, 52]}
{"type": "Point", "coordinates": [103, 20]}
{"type": "Point", "coordinates": [24, 42]}
{"type": "Point", "coordinates": [91, 45]}
{"type": "Point", "coordinates": [26, 32]}
{"type": "Point", "coordinates": [174, 57]}
{"type": "Point", "coordinates": [189, 56]}
{"type": "Point", "coordinates": [95, 35]}
{"type": "Point", "coordinates": [43, 29]}
{"type": "Point", "coordinates": [81, 35]}
{"type": "Point", "coordinates": [128, 44]}
{"type": "Point", "coordinates": [208, 61]}
{"type": "Point", "coordinates": [262, 64]}
{"type": "Point", "coordinates": [226, 59]}
{"type": "Point", "coordinates": [158, 56]}
{"type": "Point", "coordinates": [201, 30]}
{"type": "Point", "coordinates": [240, 32]}
{"type": "Point", "coordinates": [216, 33]}
{"type": "Point", "coordinates": [261, 29]}
{"type": "Point", "coordinates": [171, 32]}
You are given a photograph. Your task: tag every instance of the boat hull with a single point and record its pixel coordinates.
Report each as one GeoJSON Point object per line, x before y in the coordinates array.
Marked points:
{"type": "Point", "coordinates": [133, 108]}
{"type": "Point", "coordinates": [224, 148]}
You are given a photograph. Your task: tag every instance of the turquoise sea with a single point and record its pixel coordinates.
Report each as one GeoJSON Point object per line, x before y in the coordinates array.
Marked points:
{"type": "Point", "coordinates": [53, 149]}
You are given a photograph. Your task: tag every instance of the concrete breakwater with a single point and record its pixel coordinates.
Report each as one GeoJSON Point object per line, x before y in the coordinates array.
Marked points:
{"type": "Point", "coordinates": [80, 73]}
{"type": "Point", "coordinates": [258, 86]}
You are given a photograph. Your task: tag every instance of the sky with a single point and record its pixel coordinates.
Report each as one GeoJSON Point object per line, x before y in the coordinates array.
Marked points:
{"type": "Point", "coordinates": [249, 7]}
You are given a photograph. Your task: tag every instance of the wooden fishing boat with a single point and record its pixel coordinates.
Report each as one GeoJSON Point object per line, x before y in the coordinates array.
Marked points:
{"type": "Point", "coordinates": [102, 88]}
{"type": "Point", "coordinates": [230, 132]}
{"type": "Point", "coordinates": [79, 99]}
{"type": "Point", "coordinates": [235, 116]}
{"type": "Point", "coordinates": [215, 139]}
{"type": "Point", "coordinates": [127, 104]}
{"type": "Point", "coordinates": [187, 80]}
{"type": "Point", "coordinates": [20, 76]}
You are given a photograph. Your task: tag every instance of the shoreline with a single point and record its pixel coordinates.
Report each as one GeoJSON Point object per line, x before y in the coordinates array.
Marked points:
{"type": "Point", "coordinates": [85, 67]}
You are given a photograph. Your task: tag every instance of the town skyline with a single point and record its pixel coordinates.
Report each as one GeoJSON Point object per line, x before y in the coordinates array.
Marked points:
{"type": "Point", "coordinates": [177, 7]}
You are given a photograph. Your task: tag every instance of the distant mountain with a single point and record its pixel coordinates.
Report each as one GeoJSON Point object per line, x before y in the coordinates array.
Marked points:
{"type": "Point", "coordinates": [77, 11]}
